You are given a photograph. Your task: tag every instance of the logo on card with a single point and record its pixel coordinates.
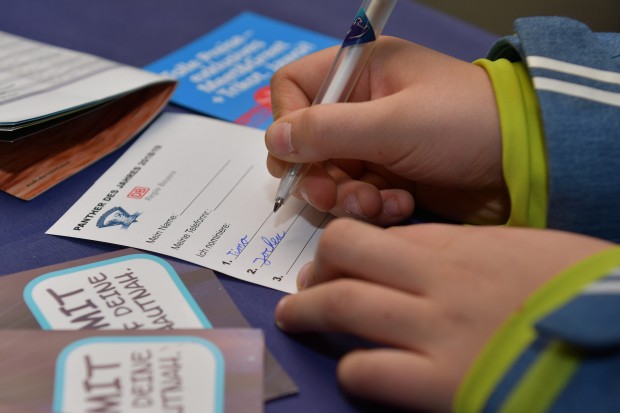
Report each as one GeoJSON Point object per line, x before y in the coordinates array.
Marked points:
{"type": "Point", "coordinates": [117, 216]}
{"type": "Point", "coordinates": [138, 192]}
{"type": "Point", "coordinates": [361, 31]}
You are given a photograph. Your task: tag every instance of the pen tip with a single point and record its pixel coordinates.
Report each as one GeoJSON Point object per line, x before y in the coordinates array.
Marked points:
{"type": "Point", "coordinates": [278, 204]}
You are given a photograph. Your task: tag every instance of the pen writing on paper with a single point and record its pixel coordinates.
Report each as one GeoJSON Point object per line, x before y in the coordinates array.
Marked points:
{"type": "Point", "coordinates": [342, 76]}
{"type": "Point", "coordinates": [245, 240]}
{"type": "Point", "coordinates": [197, 181]}
{"type": "Point", "coordinates": [269, 245]}
{"type": "Point", "coordinates": [236, 251]}
{"type": "Point", "coordinates": [272, 243]}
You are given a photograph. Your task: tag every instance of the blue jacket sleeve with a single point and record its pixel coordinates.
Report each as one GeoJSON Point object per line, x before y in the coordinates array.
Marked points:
{"type": "Point", "coordinates": [560, 352]}
{"type": "Point", "coordinates": [576, 75]}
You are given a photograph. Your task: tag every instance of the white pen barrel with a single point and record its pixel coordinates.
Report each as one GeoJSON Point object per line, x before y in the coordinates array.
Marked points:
{"type": "Point", "coordinates": [344, 73]}
{"type": "Point", "coordinates": [351, 59]}
{"type": "Point", "coordinates": [378, 12]}
{"type": "Point", "coordinates": [290, 179]}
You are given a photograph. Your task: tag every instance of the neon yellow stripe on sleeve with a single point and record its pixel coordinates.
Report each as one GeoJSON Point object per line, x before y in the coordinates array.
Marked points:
{"type": "Point", "coordinates": [517, 333]}
{"type": "Point", "coordinates": [523, 149]}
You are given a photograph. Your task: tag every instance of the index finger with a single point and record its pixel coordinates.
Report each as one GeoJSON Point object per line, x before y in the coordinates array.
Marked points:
{"type": "Point", "coordinates": [294, 86]}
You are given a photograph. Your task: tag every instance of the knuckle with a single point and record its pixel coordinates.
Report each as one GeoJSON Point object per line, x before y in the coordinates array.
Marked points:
{"type": "Point", "coordinates": [356, 373]}
{"type": "Point", "coordinates": [313, 124]}
{"type": "Point", "coordinates": [335, 232]}
{"type": "Point", "coordinates": [280, 76]}
{"type": "Point", "coordinates": [338, 302]}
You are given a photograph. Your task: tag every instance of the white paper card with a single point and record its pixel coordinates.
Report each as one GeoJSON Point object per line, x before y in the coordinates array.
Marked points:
{"type": "Point", "coordinates": [197, 189]}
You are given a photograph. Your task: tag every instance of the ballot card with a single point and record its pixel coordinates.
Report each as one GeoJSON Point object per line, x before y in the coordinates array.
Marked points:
{"type": "Point", "coordinates": [197, 189]}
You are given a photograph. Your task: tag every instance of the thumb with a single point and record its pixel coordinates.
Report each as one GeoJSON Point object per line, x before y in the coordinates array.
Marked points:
{"type": "Point", "coordinates": [353, 130]}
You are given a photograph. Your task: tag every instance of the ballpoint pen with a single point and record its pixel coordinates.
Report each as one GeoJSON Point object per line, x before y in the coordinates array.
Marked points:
{"type": "Point", "coordinates": [341, 78]}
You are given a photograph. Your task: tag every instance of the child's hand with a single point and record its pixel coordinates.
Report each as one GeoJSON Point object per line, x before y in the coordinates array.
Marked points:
{"type": "Point", "coordinates": [420, 126]}
{"type": "Point", "coordinates": [432, 294]}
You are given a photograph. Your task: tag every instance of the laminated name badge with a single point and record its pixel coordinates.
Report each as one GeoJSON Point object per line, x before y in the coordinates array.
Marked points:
{"type": "Point", "coordinates": [126, 290]}
{"type": "Point", "coordinates": [202, 371]}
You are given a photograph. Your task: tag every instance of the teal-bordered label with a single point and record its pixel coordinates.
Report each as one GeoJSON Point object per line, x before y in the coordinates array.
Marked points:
{"type": "Point", "coordinates": [361, 30]}
{"type": "Point", "coordinates": [137, 291]}
{"type": "Point", "coordinates": [140, 374]}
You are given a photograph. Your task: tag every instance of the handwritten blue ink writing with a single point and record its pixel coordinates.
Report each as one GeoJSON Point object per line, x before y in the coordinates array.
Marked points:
{"type": "Point", "coordinates": [240, 247]}
{"type": "Point", "coordinates": [271, 243]}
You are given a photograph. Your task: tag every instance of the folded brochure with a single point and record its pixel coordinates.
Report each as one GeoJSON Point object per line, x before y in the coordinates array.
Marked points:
{"type": "Point", "coordinates": [61, 110]}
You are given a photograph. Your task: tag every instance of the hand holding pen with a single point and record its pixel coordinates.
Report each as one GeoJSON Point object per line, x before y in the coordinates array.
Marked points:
{"type": "Point", "coordinates": [419, 126]}
{"type": "Point", "coordinates": [349, 63]}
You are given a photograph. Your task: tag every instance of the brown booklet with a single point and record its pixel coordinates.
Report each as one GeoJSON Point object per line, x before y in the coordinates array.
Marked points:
{"type": "Point", "coordinates": [61, 110]}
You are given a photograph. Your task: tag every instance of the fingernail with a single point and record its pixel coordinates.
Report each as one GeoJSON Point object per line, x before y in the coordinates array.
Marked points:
{"type": "Point", "coordinates": [279, 136]}
{"type": "Point", "coordinates": [352, 206]}
{"type": "Point", "coordinates": [391, 208]}
{"type": "Point", "coordinates": [279, 312]}
{"type": "Point", "coordinates": [304, 276]}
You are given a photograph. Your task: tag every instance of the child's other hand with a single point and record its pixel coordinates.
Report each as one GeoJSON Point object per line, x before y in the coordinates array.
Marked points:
{"type": "Point", "coordinates": [432, 294]}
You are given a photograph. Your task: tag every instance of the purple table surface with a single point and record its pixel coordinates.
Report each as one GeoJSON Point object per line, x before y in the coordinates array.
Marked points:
{"type": "Point", "coordinates": [139, 32]}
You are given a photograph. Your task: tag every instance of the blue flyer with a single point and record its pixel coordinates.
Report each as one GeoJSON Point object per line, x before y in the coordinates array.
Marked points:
{"type": "Point", "coordinates": [226, 72]}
